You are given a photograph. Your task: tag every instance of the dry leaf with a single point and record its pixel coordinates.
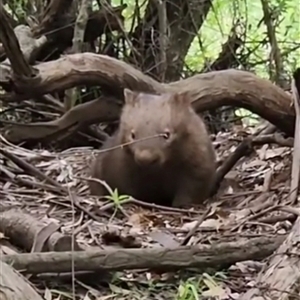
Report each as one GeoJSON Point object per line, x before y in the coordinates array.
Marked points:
{"type": "Point", "coordinates": [165, 239]}
{"type": "Point", "coordinates": [212, 223]}
{"type": "Point", "coordinates": [47, 294]}
{"type": "Point", "coordinates": [214, 289]}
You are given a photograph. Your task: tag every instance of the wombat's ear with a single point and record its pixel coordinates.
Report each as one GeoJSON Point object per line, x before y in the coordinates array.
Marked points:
{"type": "Point", "coordinates": [130, 96]}
{"type": "Point", "coordinates": [182, 98]}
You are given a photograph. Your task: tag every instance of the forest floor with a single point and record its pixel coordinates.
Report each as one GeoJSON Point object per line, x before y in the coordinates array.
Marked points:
{"type": "Point", "coordinates": [256, 184]}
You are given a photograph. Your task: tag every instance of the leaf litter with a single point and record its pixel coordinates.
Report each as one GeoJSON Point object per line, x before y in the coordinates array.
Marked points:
{"type": "Point", "coordinates": [257, 183]}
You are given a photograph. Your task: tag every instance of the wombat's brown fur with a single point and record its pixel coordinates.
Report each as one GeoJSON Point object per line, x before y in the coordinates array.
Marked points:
{"type": "Point", "coordinates": [174, 167]}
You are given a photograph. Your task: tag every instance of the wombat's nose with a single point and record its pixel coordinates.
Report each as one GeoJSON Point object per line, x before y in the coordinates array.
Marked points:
{"type": "Point", "coordinates": [146, 157]}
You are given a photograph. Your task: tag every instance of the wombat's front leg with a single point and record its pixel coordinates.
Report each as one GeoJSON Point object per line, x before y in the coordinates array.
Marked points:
{"type": "Point", "coordinates": [95, 187]}
{"type": "Point", "coordinates": [191, 191]}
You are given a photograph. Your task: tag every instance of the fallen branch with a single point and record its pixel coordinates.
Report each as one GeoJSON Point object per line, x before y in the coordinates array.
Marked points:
{"type": "Point", "coordinates": [30, 234]}
{"type": "Point", "coordinates": [220, 255]}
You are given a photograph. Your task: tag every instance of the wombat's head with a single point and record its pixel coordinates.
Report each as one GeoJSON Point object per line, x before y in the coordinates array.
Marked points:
{"type": "Point", "coordinates": [155, 124]}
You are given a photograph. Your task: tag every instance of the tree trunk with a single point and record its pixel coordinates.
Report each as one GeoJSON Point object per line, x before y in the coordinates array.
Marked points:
{"type": "Point", "coordinates": [184, 20]}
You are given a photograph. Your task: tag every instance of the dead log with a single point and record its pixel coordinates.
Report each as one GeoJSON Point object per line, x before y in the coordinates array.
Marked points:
{"type": "Point", "coordinates": [14, 286]}
{"type": "Point", "coordinates": [217, 256]}
{"type": "Point", "coordinates": [280, 279]}
{"type": "Point", "coordinates": [30, 234]}
{"type": "Point", "coordinates": [208, 91]}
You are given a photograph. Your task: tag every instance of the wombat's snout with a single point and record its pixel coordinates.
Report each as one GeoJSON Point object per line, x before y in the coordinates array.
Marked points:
{"type": "Point", "coordinates": [146, 157]}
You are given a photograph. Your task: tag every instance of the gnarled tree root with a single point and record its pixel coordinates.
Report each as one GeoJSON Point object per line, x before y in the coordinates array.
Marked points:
{"type": "Point", "coordinates": [208, 91]}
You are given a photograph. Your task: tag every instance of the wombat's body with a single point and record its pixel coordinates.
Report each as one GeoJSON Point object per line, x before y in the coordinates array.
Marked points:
{"type": "Point", "coordinates": [172, 161]}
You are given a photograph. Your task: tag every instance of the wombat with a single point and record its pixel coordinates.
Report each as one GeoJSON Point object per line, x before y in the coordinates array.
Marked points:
{"type": "Point", "coordinates": [168, 158]}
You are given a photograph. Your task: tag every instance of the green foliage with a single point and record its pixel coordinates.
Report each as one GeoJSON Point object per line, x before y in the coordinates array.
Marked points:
{"type": "Point", "coordinates": [217, 26]}
{"type": "Point", "coordinates": [204, 285]}
{"type": "Point", "coordinates": [224, 14]}
{"type": "Point", "coordinates": [117, 199]}
{"type": "Point", "coordinates": [128, 13]}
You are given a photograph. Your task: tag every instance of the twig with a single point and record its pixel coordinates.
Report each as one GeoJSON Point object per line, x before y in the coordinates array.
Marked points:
{"type": "Point", "coordinates": [78, 38]}
{"type": "Point", "coordinates": [275, 138]}
{"type": "Point", "coordinates": [72, 201]}
{"type": "Point", "coordinates": [243, 148]}
{"type": "Point", "coordinates": [194, 229]}
{"type": "Point", "coordinates": [275, 51]}
{"type": "Point", "coordinates": [32, 170]}
{"type": "Point", "coordinates": [82, 208]}
{"type": "Point", "coordinates": [265, 211]}
{"type": "Point", "coordinates": [163, 30]}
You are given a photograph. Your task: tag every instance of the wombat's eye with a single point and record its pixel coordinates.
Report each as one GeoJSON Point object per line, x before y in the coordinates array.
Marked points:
{"type": "Point", "coordinates": [166, 134]}
{"type": "Point", "coordinates": [132, 134]}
